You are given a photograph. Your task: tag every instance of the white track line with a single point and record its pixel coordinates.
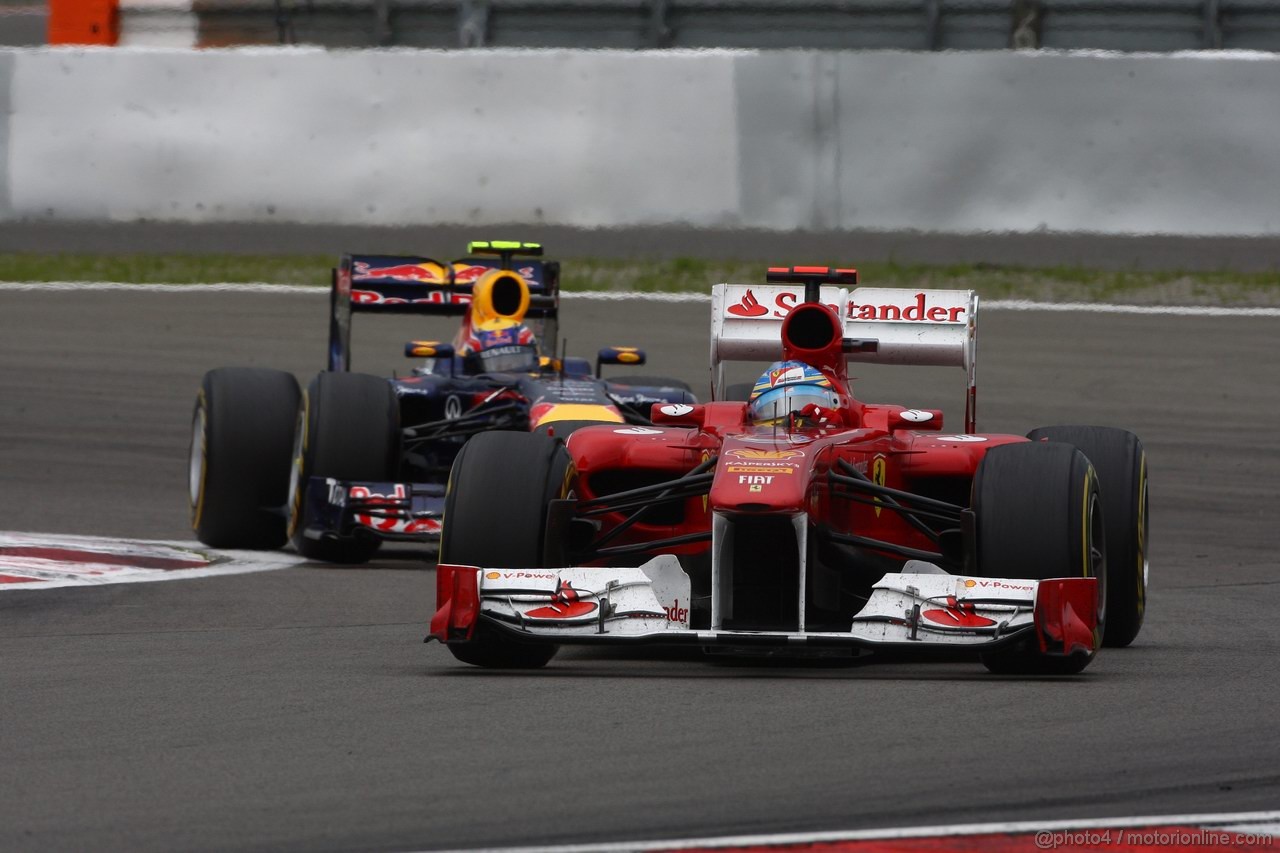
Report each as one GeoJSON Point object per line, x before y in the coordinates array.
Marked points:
{"type": "Point", "coordinates": [1243, 822]}
{"type": "Point", "coordinates": [1106, 308]}
{"type": "Point", "coordinates": [256, 287]}
{"type": "Point", "coordinates": [624, 296]}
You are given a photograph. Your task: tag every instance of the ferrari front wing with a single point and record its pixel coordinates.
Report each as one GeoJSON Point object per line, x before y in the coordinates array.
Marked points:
{"type": "Point", "coordinates": [649, 604]}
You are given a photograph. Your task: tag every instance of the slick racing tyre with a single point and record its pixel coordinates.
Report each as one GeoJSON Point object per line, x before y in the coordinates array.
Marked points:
{"type": "Point", "coordinates": [241, 433]}
{"type": "Point", "coordinates": [1038, 515]}
{"type": "Point", "coordinates": [348, 428]}
{"type": "Point", "coordinates": [495, 516]}
{"type": "Point", "coordinates": [1121, 463]}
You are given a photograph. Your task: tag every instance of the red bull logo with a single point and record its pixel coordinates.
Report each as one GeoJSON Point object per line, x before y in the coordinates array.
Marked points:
{"type": "Point", "coordinates": [468, 273]}
{"type": "Point", "coordinates": [401, 272]}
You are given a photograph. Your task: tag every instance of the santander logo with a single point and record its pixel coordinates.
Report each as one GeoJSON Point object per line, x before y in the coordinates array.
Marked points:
{"type": "Point", "coordinates": [748, 307]}
{"type": "Point", "coordinates": [919, 307]}
{"type": "Point", "coordinates": [676, 613]}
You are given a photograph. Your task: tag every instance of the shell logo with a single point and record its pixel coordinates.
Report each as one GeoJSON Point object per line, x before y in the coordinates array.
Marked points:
{"type": "Point", "coordinates": [764, 454]}
{"type": "Point", "coordinates": [970, 583]}
{"type": "Point", "coordinates": [493, 576]}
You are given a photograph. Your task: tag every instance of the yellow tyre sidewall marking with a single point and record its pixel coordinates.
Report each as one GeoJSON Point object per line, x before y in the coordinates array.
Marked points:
{"type": "Point", "coordinates": [197, 510]}
{"type": "Point", "coordinates": [1087, 541]}
{"type": "Point", "coordinates": [304, 419]}
{"type": "Point", "coordinates": [878, 466]}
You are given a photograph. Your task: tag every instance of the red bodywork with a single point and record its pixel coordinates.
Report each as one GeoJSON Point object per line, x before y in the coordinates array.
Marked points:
{"type": "Point", "coordinates": [848, 526]}
{"type": "Point", "coordinates": [769, 470]}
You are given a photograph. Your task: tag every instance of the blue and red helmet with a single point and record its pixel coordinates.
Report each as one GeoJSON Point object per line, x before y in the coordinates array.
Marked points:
{"type": "Point", "coordinates": [501, 345]}
{"type": "Point", "coordinates": [786, 387]}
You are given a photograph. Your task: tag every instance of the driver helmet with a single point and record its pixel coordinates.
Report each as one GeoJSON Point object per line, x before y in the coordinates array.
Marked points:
{"type": "Point", "coordinates": [786, 387]}
{"type": "Point", "coordinates": [501, 345]}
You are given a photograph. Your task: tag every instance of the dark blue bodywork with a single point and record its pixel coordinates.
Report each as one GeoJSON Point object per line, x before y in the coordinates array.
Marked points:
{"type": "Point", "coordinates": [441, 405]}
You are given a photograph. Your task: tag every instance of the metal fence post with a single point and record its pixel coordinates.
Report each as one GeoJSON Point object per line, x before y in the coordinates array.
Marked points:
{"type": "Point", "coordinates": [473, 23]}
{"type": "Point", "coordinates": [382, 23]}
{"type": "Point", "coordinates": [1212, 25]}
{"type": "Point", "coordinates": [1028, 18]}
{"type": "Point", "coordinates": [660, 34]}
{"type": "Point", "coordinates": [933, 23]}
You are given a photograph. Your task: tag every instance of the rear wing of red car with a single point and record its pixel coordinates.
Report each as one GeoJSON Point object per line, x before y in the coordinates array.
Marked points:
{"type": "Point", "coordinates": [913, 326]}
{"type": "Point", "coordinates": [408, 284]}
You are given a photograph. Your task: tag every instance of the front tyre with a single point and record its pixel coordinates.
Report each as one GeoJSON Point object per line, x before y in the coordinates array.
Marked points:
{"type": "Point", "coordinates": [1118, 457]}
{"type": "Point", "coordinates": [495, 516]}
{"type": "Point", "coordinates": [348, 428]}
{"type": "Point", "coordinates": [1038, 515]}
{"type": "Point", "coordinates": [238, 469]}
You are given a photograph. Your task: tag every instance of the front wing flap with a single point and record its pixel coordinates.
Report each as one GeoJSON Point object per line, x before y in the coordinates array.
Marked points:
{"type": "Point", "coordinates": [650, 604]}
{"type": "Point", "coordinates": [390, 511]}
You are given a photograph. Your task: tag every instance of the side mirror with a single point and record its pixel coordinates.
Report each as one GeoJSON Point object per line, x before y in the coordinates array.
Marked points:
{"type": "Point", "coordinates": [619, 355]}
{"type": "Point", "coordinates": [427, 349]}
{"type": "Point", "coordinates": [921, 420]}
{"type": "Point", "coordinates": [678, 414]}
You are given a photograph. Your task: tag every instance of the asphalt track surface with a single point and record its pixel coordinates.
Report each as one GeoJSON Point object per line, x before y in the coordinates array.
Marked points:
{"type": "Point", "coordinates": [1035, 249]}
{"type": "Point", "coordinates": [300, 710]}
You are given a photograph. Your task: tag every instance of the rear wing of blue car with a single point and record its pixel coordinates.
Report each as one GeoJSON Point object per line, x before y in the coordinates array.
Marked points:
{"type": "Point", "coordinates": [407, 284]}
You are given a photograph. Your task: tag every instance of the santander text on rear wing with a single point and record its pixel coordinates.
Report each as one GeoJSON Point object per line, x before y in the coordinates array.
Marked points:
{"type": "Point", "coordinates": [913, 326]}
{"type": "Point", "coordinates": [408, 284]}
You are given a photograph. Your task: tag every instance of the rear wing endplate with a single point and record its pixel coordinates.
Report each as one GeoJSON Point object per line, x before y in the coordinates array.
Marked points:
{"type": "Point", "coordinates": [912, 326]}
{"type": "Point", "coordinates": [408, 284]}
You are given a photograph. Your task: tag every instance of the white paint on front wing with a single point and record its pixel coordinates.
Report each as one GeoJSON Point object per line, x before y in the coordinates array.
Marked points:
{"type": "Point", "coordinates": [650, 598]}
{"type": "Point", "coordinates": [953, 609]}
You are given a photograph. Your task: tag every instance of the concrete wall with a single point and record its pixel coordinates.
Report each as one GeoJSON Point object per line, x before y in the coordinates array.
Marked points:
{"type": "Point", "coordinates": [947, 142]}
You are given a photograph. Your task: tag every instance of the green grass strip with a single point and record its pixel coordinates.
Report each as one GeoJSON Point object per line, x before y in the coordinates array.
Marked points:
{"type": "Point", "coordinates": [1060, 284]}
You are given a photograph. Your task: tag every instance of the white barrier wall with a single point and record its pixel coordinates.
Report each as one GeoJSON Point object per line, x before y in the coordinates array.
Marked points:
{"type": "Point", "coordinates": [950, 142]}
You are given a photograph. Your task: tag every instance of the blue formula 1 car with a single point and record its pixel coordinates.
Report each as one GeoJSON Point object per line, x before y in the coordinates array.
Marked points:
{"type": "Point", "coordinates": [356, 459]}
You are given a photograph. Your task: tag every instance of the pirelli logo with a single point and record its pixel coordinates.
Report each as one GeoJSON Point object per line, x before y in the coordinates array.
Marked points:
{"type": "Point", "coordinates": [757, 468]}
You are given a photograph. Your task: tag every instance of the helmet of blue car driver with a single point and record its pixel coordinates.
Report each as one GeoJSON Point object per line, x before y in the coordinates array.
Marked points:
{"type": "Point", "coordinates": [501, 345]}
{"type": "Point", "coordinates": [786, 387]}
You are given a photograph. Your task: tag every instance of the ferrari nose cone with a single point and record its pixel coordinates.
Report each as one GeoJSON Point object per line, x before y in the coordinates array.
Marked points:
{"type": "Point", "coordinates": [760, 474]}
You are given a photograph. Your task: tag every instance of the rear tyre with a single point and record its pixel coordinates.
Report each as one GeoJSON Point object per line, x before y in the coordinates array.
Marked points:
{"type": "Point", "coordinates": [348, 428]}
{"type": "Point", "coordinates": [1118, 457]}
{"type": "Point", "coordinates": [495, 516]}
{"type": "Point", "coordinates": [238, 474]}
{"type": "Point", "coordinates": [1038, 515]}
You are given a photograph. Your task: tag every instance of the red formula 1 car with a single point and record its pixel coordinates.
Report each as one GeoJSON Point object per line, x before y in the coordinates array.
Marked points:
{"type": "Point", "coordinates": [803, 521]}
